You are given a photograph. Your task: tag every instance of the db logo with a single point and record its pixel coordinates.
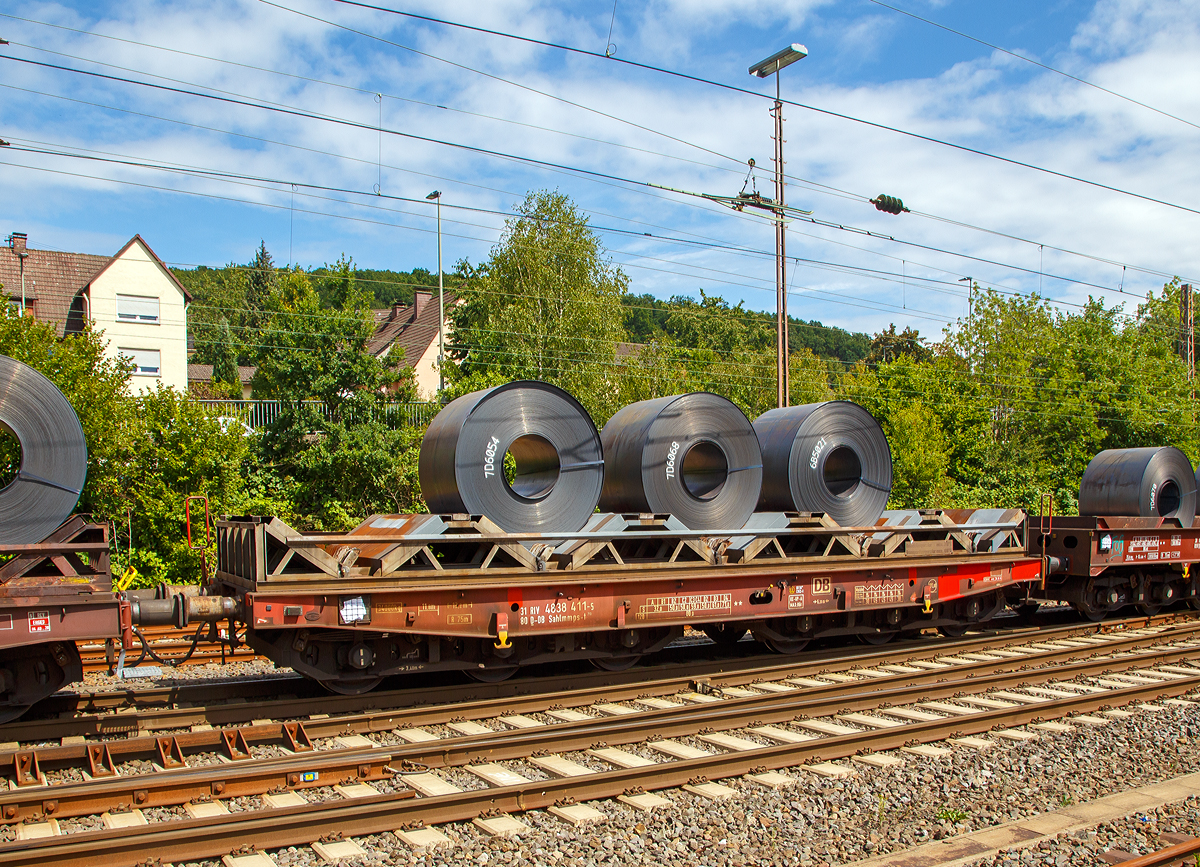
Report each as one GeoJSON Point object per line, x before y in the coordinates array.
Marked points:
{"type": "Point", "coordinates": [39, 621]}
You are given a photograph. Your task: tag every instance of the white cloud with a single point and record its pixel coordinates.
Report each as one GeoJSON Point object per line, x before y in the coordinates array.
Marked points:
{"type": "Point", "coordinates": [995, 103]}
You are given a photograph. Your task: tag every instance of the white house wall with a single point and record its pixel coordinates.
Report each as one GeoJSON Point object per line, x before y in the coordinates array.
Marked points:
{"type": "Point", "coordinates": [425, 372]}
{"type": "Point", "coordinates": [135, 272]}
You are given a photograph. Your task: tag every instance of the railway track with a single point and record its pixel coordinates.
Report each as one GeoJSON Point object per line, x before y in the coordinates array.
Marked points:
{"type": "Point", "coordinates": [169, 644]}
{"type": "Point", "coordinates": [622, 740]}
{"type": "Point", "coordinates": [118, 713]}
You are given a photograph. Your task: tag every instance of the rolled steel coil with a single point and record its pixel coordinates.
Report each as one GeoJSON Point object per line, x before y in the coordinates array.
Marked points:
{"type": "Point", "coordinates": [829, 457]}
{"type": "Point", "coordinates": [53, 464]}
{"type": "Point", "coordinates": [692, 455]}
{"type": "Point", "coordinates": [555, 451]}
{"type": "Point", "coordinates": [1146, 482]}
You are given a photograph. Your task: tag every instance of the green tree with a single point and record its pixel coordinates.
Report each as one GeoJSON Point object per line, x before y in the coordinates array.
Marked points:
{"type": "Point", "coordinates": [331, 452]}
{"type": "Point", "coordinates": [546, 305]}
{"type": "Point", "coordinates": [180, 450]}
{"type": "Point", "coordinates": [888, 345]}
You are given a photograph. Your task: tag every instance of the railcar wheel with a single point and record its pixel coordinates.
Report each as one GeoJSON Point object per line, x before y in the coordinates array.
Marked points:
{"type": "Point", "coordinates": [875, 639]}
{"type": "Point", "coordinates": [786, 646]}
{"type": "Point", "coordinates": [11, 712]}
{"type": "Point", "coordinates": [493, 674]}
{"type": "Point", "coordinates": [1194, 603]}
{"type": "Point", "coordinates": [724, 634]}
{"type": "Point", "coordinates": [1093, 613]}
{"type": "Point", "coordinates": [1149, 610]}
{"type": "Point", "coordinates": [352, 687]}
{"type": "Point", "coordinates": [953, 630]}
{"type": "Point", "coordinates": [615, 663]}
{"type": "Point", "coordinates": [1027, 611]}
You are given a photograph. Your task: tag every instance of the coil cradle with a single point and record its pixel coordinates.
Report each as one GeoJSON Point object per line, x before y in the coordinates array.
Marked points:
{"type": "Point", "coordinates": [694, 456]}
{"type": "Point", "coordinates": [829, 457]}
{"type": "Point", "coordinates": [1145, 482]}
{"type": "Point", "coordinates": [53, 464]}
{"type": "Point", "coordinates": [557, 465]}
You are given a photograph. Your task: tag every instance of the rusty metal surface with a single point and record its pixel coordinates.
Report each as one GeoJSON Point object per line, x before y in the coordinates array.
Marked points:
{"type": "Point", "coordinates": [173, 785]}
{"type": "Point", "coordinates": [471, 581]}
{"type": "Point", "coordinates": [1091, 545]}
{"type": "Point", "coordinates": [25, 621]}
{"type": "Point", "coordinates": [207, 838]}
{"type": "Point", "coordinates": [1171, 855]}
{"type": "Point", "coordinates": [73, 559]}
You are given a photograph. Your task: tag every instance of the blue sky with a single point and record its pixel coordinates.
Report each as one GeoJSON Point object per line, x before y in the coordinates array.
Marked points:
{"type": "Point", "coordinates": [865, 60]}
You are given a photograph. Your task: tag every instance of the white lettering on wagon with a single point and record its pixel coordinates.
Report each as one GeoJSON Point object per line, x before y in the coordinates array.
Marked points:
{"type": "Point", "coordinates": [685, 606]}
{"type": "Point", "coordinates": [878, 594]}
{"type": "Point", "coordinates": [795, 596]}
{"type": "Point", "coordinates": [558, 612]}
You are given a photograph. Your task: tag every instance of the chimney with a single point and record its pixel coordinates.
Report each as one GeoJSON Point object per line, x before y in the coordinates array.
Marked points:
{"type": "Point", "coordinates": [420, 299]}
{"type": "Point", "coordinates": [18, 241]}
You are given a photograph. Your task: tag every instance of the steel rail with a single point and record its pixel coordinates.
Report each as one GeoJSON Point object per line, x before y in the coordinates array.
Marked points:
{"type": "Point", "coordinates": [75, 722]}
{"type": "Point", "coordinates": [147, 747]}
{"type": "Point", "coordinates": [178, 786]}
{"type": "Point", "coordinates": [1165, 857]}
{"type": "Point", "coordinates": [197, 839]}
{"type": "Point", "coordinates": [76, 703]}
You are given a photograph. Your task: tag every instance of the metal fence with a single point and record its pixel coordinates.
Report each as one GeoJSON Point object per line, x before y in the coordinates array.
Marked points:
{"type": "Point", "coordinates": [260, 413]}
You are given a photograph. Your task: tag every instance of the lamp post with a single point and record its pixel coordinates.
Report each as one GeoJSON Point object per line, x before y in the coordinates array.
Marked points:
{"type": "Point", "coordinates": [762, 69]}
{"type": "Point", "coordinates": [436, 196]}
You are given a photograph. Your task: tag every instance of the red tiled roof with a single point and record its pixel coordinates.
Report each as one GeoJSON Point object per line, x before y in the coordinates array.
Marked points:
{"type": "Point", "coordinates": [204, 373]}
{"type": "Point", "coordinates": [52, 280]}
{"type": "Point", "coordinates": [411, 329]}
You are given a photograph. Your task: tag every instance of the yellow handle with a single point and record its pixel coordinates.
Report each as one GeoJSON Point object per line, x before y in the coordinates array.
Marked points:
{"type": "Point", "coordinates": [127, 578]}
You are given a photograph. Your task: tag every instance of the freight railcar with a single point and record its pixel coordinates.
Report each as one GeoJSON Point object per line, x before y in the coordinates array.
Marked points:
{"type": "Point", "coordinates": [409, 593]}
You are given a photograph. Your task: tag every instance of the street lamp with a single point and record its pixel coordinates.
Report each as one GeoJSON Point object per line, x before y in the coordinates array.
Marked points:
{"type": "Point", "coordinates": [762, 69]}
{"type": "Point", "coordinates": [436, 196]}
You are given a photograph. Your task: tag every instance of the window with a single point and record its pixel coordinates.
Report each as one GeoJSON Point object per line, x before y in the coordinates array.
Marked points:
{"type": "Point", "coordinates": [146, 361]}
{"type": "Point", "coordinates": [137, 308]}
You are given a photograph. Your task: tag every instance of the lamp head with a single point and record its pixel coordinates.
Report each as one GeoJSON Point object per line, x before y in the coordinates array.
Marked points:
{"type": "Point", "coordinates": [779, 60]}
{"type": "Point", "coordinates": [436, 194]}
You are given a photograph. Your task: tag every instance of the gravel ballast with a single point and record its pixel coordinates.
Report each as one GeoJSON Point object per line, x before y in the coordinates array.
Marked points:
{"type": "Point", "coordinates": [821, 821]}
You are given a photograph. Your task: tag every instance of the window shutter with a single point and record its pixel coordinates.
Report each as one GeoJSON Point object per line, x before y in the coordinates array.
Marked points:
{"type": "Point", "coordinates": [146, 361]}
{"type": "Point", "coordinates": [137, 308]}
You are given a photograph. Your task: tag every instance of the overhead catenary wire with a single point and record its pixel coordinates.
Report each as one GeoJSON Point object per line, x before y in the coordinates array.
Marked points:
{"type": "Point", "coordinates": [596, 175]}
{"type": "Point", "coordinates": [1036, 63]}
{"type": "Point", "coordinates": [819, 187]}
{"type": "Point", "coordinates": [734, 88]}
{"type": "Point", "coordinates": [837, 299]}
{"type": "Point", "coordinates": [812, 220]}
{"type": "Point", "coordinates": [360, 90]}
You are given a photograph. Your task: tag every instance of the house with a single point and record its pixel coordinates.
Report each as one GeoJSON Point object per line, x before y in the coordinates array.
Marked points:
{"type": "Point", "coordinates": [131, 296]}
{"type": "Point", "coordinates": [413, 331]}
{"type": "Point", "coordinates": [200, 379]}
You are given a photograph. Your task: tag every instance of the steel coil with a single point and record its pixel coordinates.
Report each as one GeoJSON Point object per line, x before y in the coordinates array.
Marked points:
{"type": "Point", "coordinates": [1147, 483]}
{"type": "Point", "coordinates": [694, 456]}
{"type": "Point", "coordinates": [53, 464]}
{"type": "Point", "coordinates": [557, 465]}
{"type": "Point", "coordinates": [829, 457]}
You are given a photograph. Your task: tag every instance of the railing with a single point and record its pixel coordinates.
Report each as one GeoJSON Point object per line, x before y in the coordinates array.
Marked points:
{"type": "Point", "coordinates": [260, 413]}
